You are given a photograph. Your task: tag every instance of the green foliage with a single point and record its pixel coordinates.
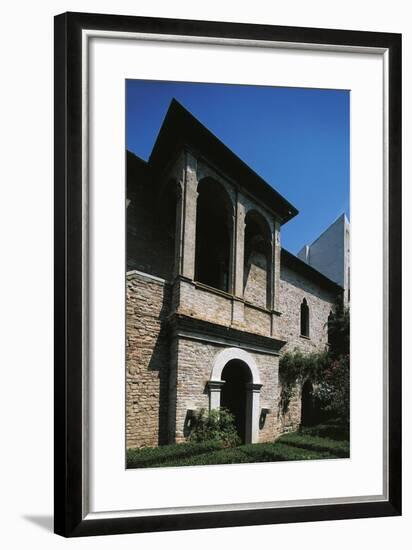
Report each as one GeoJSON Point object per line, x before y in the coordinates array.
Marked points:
{"type": "Point", "coordinates": [339, 330]}
{"type": "Point", "coordinates": [292, 446]}
{"type": "Point", "coordinates": [329, 371]}
{"type": "Point", "coordinates": [157, 456]}
{"type": "Point", "coordinates": [333, 393]}
{"type": "Point", "coordinates": [334, 429]}
{"type": "Point", "coordinates": [296, 367]}
{"type": "Point", "coordinates": [317, 444]}
{"type": "Point", "coordinates": [215, 425]}
{"type": "Point", "coordinates": [223, 456]}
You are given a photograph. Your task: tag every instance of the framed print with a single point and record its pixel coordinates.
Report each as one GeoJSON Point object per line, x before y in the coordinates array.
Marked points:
{"type": "Point", "coordinates": [227, 274]}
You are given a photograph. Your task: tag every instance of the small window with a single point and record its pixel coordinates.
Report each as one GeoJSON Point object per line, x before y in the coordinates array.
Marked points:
{"type": "Point", "coordinates": [330, 319]}
{"type": "Point", "coordinates": [304, 318]}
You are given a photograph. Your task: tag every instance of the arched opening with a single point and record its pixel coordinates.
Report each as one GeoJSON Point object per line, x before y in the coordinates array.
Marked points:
{"type": "Point", "coordinates": [304, 318]}
{"type": "Point", "coordinates": [251, 383]}
{"type": "Point", "coordinates": [236, 375]}
{"type": "Point", "coordinates": [214, 229]}
{"type": "Point", "coordinates": [308, 409]}
{"type": "Point", "coordinates": [330, 326]}
{"type": "Point", "coordinates": [257, 260]}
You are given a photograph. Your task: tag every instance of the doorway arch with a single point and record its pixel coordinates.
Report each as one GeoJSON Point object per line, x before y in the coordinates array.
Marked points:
{"type": "Point", "coordinates": [236, 376]}
{"type": "Point", "coordinates": [237, 370]}
{"type": "Point", "coordinates": [308, 409]}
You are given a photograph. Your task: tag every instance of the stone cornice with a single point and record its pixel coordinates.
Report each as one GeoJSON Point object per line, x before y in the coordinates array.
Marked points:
{"type": "Point", "coordinates": [191, 327]}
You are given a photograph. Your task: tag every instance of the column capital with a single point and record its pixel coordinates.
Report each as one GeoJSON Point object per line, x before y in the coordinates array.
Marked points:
{"type": "Point", "coordinates": [255, 388]}
{"type": "Point", "coordinates": [215, 385]}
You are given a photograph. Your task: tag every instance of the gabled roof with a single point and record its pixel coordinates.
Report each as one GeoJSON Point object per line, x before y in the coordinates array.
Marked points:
{"type": "Point", "coordinates": [181, 128]}
{"type": "Point", "coordinates": [293, 262]}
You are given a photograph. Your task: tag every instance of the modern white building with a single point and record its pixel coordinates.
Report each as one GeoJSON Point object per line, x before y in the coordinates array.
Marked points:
{"type": "Point", "coordinates": [330, 253]}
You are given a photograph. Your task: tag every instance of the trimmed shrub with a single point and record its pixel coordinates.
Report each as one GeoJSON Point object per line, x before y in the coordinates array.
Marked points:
{"type": "Point", "coordinates": [278, 451]}
{"type": "Point", "coordinates": [216, 425]}
{"type": "Point", "coordinates": [224, 456]}
{"type": "Point", "coordinates": [317, 444]}
{"type": "Point", "coordinates": [332, 430]}
{"type": "Point", "coordinates": [157, 456]}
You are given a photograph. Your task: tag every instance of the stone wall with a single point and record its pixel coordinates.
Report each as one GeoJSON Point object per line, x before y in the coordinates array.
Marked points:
{"type": "Point", "coordinates": [167, 375]}
{"type": "Point", "coordinates": [194, 367]}
{"type": "Point", "coordinates": [150, 239]}
{"type": "Point", "coordinates": [256, 277]}
{"type": "Point", "coordinates": [256, 320]}
{"type": "Point", "coordinates": [147, 360]}
{"type": "Point", "coordinates": [204, 302]}
{"type": "Point", "coordinates": [294, 287]}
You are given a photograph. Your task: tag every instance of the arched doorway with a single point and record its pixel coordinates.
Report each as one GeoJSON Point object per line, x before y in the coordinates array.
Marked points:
{"type": "Point", "coordinates": [308, 409]}
{"type": "Point", "coordinates": [237, 370]}
{"type": "Point", "coordinates": [236, 376]}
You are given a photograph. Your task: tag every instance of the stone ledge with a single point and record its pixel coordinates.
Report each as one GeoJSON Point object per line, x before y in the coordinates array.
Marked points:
{"type": "Point", "coordinates": [229, 296]}
{"type": "Point", "coordinates": [183, 324]}
{"type": "Point", "coordinates": [134, 274]}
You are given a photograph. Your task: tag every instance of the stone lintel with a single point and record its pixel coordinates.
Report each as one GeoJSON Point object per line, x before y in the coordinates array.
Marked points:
{"type": "Point", "coordinates": [255, 388]}
{"type": "Point", "coordinates": [215, 385]}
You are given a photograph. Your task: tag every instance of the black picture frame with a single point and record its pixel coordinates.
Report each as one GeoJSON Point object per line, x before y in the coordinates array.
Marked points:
{"type": "Point", "coordinates": [68, 421]}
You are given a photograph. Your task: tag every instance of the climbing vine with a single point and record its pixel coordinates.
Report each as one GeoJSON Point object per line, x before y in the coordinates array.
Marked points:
{"type": "Point", "coordinates": [329, 371]}
{"type": "Point", "coordinates": [296, 367]}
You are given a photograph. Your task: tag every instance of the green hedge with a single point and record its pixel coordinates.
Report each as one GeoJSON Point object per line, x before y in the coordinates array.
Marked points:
{"type": "Point", "coordinates": [275, 452]}
{"type": "Point", "coordinates": [308, 444]}
{"type": "Point", "coordinates": [232, 455]}
{"type": "Point", "coordinates": [156, 456]}
{"type": "Point", "coordinates": [317, 444]}
{"type": "Point", "coordinates": [331, 430]}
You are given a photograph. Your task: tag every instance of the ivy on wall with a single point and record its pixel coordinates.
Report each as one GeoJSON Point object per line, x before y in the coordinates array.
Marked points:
{"type": "Point", "coordinates": [328, 371]}
{"type": "Point", "coordinates": [295, 368]}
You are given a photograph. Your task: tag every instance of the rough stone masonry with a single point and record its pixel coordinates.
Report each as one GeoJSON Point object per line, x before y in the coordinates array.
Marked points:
{"type": "Point", "coordinates": [212, 298]}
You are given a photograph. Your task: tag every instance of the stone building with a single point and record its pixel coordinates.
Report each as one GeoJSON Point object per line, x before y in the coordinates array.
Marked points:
{"type": "Point", "coordinates": [212, 298]}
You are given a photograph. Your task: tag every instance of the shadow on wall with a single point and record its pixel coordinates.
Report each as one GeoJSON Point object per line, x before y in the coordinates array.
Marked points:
{"type": "Point", "coordinates": [160, 361]}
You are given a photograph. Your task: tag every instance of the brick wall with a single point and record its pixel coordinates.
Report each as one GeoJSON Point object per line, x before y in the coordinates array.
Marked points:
{"type": "Point", "coordinates": [204, 303]}
{"type": "Point", "coordinates": [194, 368]}
{"type": "Point", "coordinates": [257, 321]}
{"type": "Point", "coordinates": [255, 275]}
{"type": "Point", "coordinates": [167, 376]}
{"type": "Point", "coordinates": [150, 240]}
{"type": "Point", "coordinates": [294, 287]}
{"type": "Point", "coordinates": [147, 361]}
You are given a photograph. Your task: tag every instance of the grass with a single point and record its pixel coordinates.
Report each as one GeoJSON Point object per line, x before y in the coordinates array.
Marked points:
{"type": "Point", "coordinates": [317, 442]}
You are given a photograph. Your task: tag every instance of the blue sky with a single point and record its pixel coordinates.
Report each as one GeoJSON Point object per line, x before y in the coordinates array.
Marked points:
{"type": "Point", "coordinates": [297, 139]}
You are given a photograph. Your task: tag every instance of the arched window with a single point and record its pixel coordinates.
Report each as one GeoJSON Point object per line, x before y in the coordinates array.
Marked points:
{"type": "Point", "coordinates": [257, 258]}
{"type": "Point", "coordinates": [304, 318]}
{"type": "Point", "coordinates": [330, 318]}
{"type": "Point", "coordinates": [214, 228]}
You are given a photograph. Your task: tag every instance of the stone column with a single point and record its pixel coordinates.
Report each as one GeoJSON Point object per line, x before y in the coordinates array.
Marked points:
{"type": "Point", "coordinates": [177, 268]}
{"type": "Point", "coordinates": [239, 244]}
{"type": "Point", "coordinates": [252, 412]}
{"type": "Point", "coordinates": [232, 258]}
{"type": "Point", "coordinates": [276, 267]}
{"type": "Point", "coordinates": [238, 240]}
{"type": "Point", "coordinates": [189, 217]}
{"type": "Point", "coordinates": [272, 283]}
{"type": "Point", "coordinates": [214, 387]}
